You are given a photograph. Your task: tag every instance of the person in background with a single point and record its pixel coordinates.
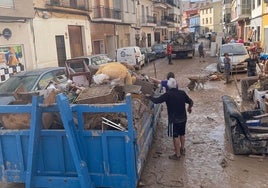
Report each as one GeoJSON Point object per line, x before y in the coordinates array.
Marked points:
{"type": "Point", "coordinates": [176, 101]}
{"type": "Point", "coordinates": [163, 83]}
{"type": "Point", "coordinates": [227, 67]}
{"type": "Point", "coordinates": [252, 63]}
{"type": "Point", "coordinates": [232, 40]}
{"type": "Point", "coordinates": [201, 52]}
{"type": "Point", "coordinates": [250, 34]}
{"type": "Point", "coordinates": [169, 53]}
{"type": "Point", "coordinates": [240, 40]}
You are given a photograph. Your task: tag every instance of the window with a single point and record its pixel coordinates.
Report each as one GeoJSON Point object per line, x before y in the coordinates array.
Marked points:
{"type": "Point", "coordinates": [203, 21]}
{"type": "Point", "coordinates": [253, 4]}
{"type": "Point", "coordinates": [210, 20]}
{"type": "Point", "coordinates": [210, 10]}
{"type": "Point", "coordinates": [259, 2]}
{"type": "Point", "coordinates": [7, 3]}
{"type": "Point", "coordinates": [206, 20]}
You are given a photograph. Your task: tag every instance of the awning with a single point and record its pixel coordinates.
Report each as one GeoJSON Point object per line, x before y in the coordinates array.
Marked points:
{"type": "Point", "coordinates": [239, 18]}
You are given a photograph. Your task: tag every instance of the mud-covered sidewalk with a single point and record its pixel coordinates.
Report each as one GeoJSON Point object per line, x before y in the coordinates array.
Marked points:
{"type": "Point", "coordinates": [208, 162]}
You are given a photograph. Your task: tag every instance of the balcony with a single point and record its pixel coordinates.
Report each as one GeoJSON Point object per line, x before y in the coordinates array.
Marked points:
{"type": "Point", "coordinates": [148, 21]}
{"type": "Point", "coordinates": [101, 13]}
{"type": "Point", "coordinates": [243, 11]}
{"type": "Point", "coordinates": [160, 4]}
{"type": "Point", "coordinates": [161, 24]}
{"type": "Point", "coordinates": [71, 4]}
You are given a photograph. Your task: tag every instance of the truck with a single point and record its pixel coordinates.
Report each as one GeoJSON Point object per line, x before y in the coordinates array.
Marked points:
{"type": "Point", "coordinates": [73, 156]}
{"type": "Point", "coordinates": [183, 45]}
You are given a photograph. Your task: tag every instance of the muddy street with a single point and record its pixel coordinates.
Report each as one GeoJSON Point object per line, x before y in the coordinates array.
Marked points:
{"type": "Point", "coordinates": [208, 162]}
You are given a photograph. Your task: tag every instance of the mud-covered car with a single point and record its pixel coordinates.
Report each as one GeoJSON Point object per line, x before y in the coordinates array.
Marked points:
{"type": "Point", "coordinates": [148, 54]}
{"type": "Point", "coordinates": [160, 50]}
{"type": "Point", "coordinates": [237, 53]}
{"type": "Point", "coordinates": [31, 81]}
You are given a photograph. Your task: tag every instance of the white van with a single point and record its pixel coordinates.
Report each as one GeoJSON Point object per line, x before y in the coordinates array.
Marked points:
{"type": "Point", "coordinates": [131, 55]}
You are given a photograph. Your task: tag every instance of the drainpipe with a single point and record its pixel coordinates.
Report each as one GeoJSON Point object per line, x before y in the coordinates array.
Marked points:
{"type": "Point", "coordinates": [34, 45]}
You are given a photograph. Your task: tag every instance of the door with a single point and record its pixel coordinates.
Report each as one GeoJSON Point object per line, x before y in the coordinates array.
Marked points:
{"type": "Point", "coordinates": [149, 40]}
{"type": "Point", "coordinates": [61, 52]}
{"type": "Point", "coordinates": [75, 38]}
{"type": "Point", "coordinates": [98, 47]}
{"type": "Point", "coordinates": [157, 37]}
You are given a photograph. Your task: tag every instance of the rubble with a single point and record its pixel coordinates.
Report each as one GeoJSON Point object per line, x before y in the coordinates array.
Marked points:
{"type": "Point", "coordinates": [101, 92]}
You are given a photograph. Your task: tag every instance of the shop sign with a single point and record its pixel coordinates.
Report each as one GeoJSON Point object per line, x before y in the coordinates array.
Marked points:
{"type": "Point", "coordinates": [6, 33]}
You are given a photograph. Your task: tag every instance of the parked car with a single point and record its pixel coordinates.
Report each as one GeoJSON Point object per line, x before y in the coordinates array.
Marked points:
{"type": "Point", "coordinates": [35, 80]}
{"type": "Point", "coordinates": [160, 50]}
{"type": "Point", "coordinates": [237, 52]}
{"type": "Point", "coordinates": [149, 54]}
{"type": "Point", "coordinates": [131, 55]}
{"type": "Point", "coordinates": [93, 61]}
{"type": "Point", "coordinates": [165, 43]}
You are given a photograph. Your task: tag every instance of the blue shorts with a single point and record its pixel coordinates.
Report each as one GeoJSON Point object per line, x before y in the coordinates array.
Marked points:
{"type": "Point", "coordinates": [176, 129]}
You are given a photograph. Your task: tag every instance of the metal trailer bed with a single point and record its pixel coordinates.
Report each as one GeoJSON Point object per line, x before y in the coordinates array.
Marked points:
{"type": "Point", "coordinates": [74, 157]}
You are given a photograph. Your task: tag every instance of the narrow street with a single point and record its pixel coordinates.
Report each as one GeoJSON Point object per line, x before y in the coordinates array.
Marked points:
{"type": "Point", "coordinates": [208, 162]}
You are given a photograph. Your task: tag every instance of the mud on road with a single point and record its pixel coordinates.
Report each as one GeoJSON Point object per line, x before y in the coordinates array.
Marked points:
{"type": "Point", "coordinates": [209, 162]}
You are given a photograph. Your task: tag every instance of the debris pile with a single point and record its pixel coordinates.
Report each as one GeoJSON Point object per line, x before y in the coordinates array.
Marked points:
{"type": "Point", "coordinates": [109, 85]}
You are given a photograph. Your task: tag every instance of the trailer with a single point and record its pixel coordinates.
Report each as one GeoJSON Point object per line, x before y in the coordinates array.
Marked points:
{"type": "Point", "coordinates": [74, 157]}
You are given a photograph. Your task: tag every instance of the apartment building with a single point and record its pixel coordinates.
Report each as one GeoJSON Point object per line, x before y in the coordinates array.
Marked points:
{"type": "Point", "coordinates": [226, 16]}
{"type": "Point", "coordinates": [195, 24]}
{"type": "Point", "coordinates": [148, 23]}
{"type": "Point", "coordinates": [256, 19]}
{"type": "Point", "coordinates": [206, 19]}
{"type": "Point", "coordinates": [61, 30]}
{"type": "Point", "coordinates": [189, 11]}
{"type": "Point", "coordinates": [105, 19]}
{"type": "Point", "coordinates": [240, 18]}
{"type": "Point", "coordinates": [264, 28]}
{"type": "Point", "coordinates": [16, 24]}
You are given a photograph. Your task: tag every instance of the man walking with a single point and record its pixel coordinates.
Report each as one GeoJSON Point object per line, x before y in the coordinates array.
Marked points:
{"type": "Point", "coordinates": [201, 51]}
{"type": "Point", "coordinates": [177, 117]}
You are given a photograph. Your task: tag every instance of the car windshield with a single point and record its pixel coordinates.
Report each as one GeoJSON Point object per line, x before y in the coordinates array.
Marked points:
{"type": "Point", "coordinates": [10, 86]}
{"type": "Point", "coordinates": [233, 50]}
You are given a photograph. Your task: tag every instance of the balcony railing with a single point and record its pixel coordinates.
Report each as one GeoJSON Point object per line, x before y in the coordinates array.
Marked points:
{"type": "Point", "coordinates": [104, 12]}
{"type": "Point", "coordinates": [171, 19]}
{"type": "Point", "coordinates": [161, 23]}
{"type": "Point", "coordinates": [78, 4]}
{"type": "Point", "coordinates": [149, 19]}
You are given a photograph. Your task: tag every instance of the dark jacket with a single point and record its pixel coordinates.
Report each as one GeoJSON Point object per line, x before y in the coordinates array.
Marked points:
{"type": "Point", "coordinates": [175, 100]}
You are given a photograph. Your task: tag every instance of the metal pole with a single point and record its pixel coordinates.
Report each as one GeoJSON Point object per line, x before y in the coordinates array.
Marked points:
{"type": "Point", "coordinates": [154, 69]}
